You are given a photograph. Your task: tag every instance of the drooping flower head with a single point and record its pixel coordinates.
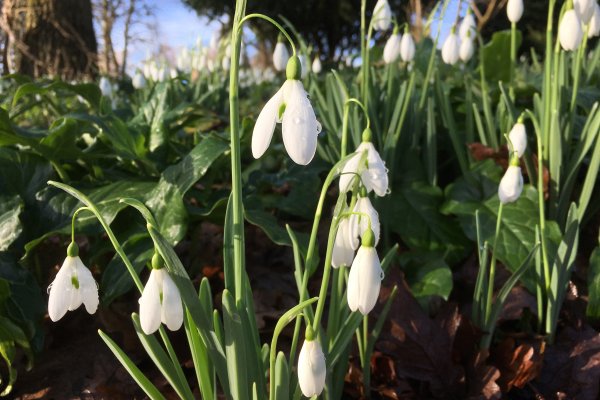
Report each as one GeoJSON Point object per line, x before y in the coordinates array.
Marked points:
{"type": "Point", "coordinates": [291, 107]}
{"type": "Point", "coordinates": [343, 251]}
{"type": "Point", "coordinates": [73, 285]}
{"type": "Point", "coordinates": [391, 50]}
{"type": "Point", "coordinates": [280, 55]}
{"type": "Point", "coordinates": [105, 87]}
{"type": "Point", "coordinates": [317, 67]}
{"type": "Point", "coordinates": [594, 27]}
{"type": "Point", "coordinates": [511, 185]}
{"type": "Point", "coordinates": [382, 15]}
{"type": "Point", "coordinates": [514, 10]}
{"type": "Point", "coordinates": [451, 48]}
{"type": "Point", "coordinates": [364, 280]}
{"type": "Point", "coordinates": [138, 81]}
{"type": "Point", "coordinates": [467, 49]}
{"type": "Point", "coordinates": [371, 170]}
{"type": "Point", "coordinates": [570, 32]}
{"type": "Point", "coordinates": [160, 301]}
{"type": "Point", "coordinates": [468, 26]}
{"type": "Point", "coordinates": [407, 46]}
{"type": "Point", "coordinates": [518, 138]}
{"type": "Point", "coordinates": [584, 9]}
{"type": "Point", "coordinates": [312, 369]}
{"type": "Point", "coordinates": [364, 219]}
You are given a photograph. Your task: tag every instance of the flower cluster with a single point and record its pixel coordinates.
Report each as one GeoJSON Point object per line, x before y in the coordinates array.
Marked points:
{"type": "Point", "coordinates": [511, 184]}
{"type": "Point", "coordinates": [584, 16]}
{"type": "Point", "coordinates": [461, 45]}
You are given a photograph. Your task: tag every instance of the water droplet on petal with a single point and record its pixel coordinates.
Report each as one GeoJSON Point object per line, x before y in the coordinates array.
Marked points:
{"type": "Point", "coordinates": [297, 121]}
{"type": "Point", "coordinates": [382, 275]}
{"type": "Point", "coordinates": [319, 127]}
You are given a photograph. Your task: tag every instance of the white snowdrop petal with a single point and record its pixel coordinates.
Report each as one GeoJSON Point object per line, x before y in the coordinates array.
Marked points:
{"type": "Point", "coordinates": [407, 48]}
{"type": "Point", "coordinates": [511, 185]}
{"type": "Point", "coordinates": [518, 139]}
{"type": "Point", "coordinates": [450, 49]}
{"type": "Point", "coordinates": [172, 309]}
{"type": "Point", "coordinates": [364, 206]}
{"type": "Point", "coordinates": [265, 125]}
{"type": "Point", "coordinates": [343, 254]}
{"type": "Point", "coordinates": [584, 9]}
{"type": "Point", "coordinates": [354, 283]}
{"type": "Point", "coordinates": [311, 369]}
{"type": "Point", "coordinates": [467, 27]}
{"type": "Point", "coordinates": [570, 32]}
{"type": "Point", "coordinates": [391, 50]}
{"type": "Point", "coordinates": [349, 173]}
{"type": "Point", "coordinates": [370, 274]}
{"type": "Point", "coordinates": [375, 178]}
{"type": "Point", "coordinates": [467, 48]}
{"type": "Point", "coordinates": [514, 10]}
{"type": "Point", "coordinates": [87, 287]}
{"type": "Point", "coordinates": [594, 27]}
{"type": "Point", "coordinates": [280, 56]}
{"type": "Point", "coordinates": [382, 15]}
{"type": "Point", "coordinates": [317, 67]}
{"type": "Point", "coordinates": [300, 126]}
{"type": "Point", "coordinates": [150, 307]}
{"type": "Point", "coordinates": [61, 289]}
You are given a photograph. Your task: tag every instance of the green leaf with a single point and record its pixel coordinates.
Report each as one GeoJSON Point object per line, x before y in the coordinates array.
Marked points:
{"type": "Point", "coordinates": [282, 374]}
{"type": "Point", "coordinates": [427, 275]}
{"type": "Point", "coordinates": [593, 308]}
{"type": "Point", "coordinates": [421, 225]}
{"type": "Point", "coordinates": [234, 347]}
{"type": "Point", "coordinates": [12, 336]}
{"type": "Point", "coordinates": [496, 56]}
{"type": "Point", "coordinates": [137, 375]}
{"type": "Point", "coordinates": [10, 225]}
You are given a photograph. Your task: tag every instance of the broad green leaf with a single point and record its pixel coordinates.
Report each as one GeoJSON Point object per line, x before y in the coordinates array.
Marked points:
{"type": "Point", "coordinates": [11, 337]}
{"type": "Point", "coordinates": [496, 56]}
{"type": "Point", "coordinates": [10, 225]}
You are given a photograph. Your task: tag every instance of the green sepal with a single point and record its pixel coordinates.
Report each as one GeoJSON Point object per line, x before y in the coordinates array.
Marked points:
{"type": "Point", "coordinates": [73, 250]}
{"type": "Point", "coordinates": [293, 70]}
{"type": "Point", "coordinates": [368, 238]}
{"type": "Point", "coordinates": [367, 135]}
{"type": "Point", "coordinates": [157, 261]}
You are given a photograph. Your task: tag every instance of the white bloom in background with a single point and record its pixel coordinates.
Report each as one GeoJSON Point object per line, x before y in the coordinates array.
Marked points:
{"type": "Point", "coordinates": [173, 73]}
{"type": "Point", "coordinates": [391, 50]}
{"type": "Point", "coordinates": [105, 87]}
{"type": "Point", "coordinates": [317, 67]}
{"type": "Point", "coordinates": [594, 27]}
{"type": "Point", "coordinates": [451, 48]}
{"type": "Point", "coordinates": [73, 285]}
{"type": "Point", "coordinates": [467, 49]}
{"type": "Point", "coordinates": [584, 9]}
{"type": "Point", "coordinates": [343, 253]}
{"type": "Point", "coordinates": [407, 47]}
{"type": "Point", "coordinates": [138, 81]}
{"type": "Point", "coordinates": [147, 69]}
{"type": "Point", "coordinates": [304, 65]}
{"type": "Point", "coordinates": [382, 15]}
{"type": "Point", "coordinates": [364, 280]}
{"type": "Point", "coordinates": [225, 63]}
{"type": "Point", "coordinates": [511, 184]}
{"type": "Point", "coordinates": [468, 27]}
{"type": "Point", "coordinates": [280, 56]}
{"type": "Point", "coordinates": [569, 31]}
{"type": "Point", "coordinates": [358, 225]}
{"type": "Point", "coordinates": [311, 368]}
{"type": "Point", "coordinates": [183, 60]}
{"type": "Point", "coordinates": [160, 302]}
{"type": "Point", "coordinates": [374, 175]}
{"type": "Point", "coordinates": [289, 106]}
{"type": "Point", "coordinates": [514, 10]}
{"type": "Point", "coordinates": [163, 74]}
{"type": "Point", "coordinates": [518, 139]}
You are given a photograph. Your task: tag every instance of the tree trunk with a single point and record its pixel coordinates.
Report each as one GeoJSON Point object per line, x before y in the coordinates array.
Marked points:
{"type": "Point", "coordinates": [51, 37]}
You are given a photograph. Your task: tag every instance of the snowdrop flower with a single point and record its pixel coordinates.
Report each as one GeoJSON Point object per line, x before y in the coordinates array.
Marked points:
{"type": "Point", "coordinates": [467, 49]}
{"type": "Point", "coordinates": [514, 10]}
{"type": "Point", "coordinates": [343, 252]}
{"type": "Point", "coordinates": [468, 26]}
{"type": "Point", "coordinates": [160, 302]}
{"type": "Point", "coordinates": [317, 67]}
{"type": "Point", "coordinates": [364, 219]}
{"type": "Point", "coordinates": [518, 139]}
{"type": "Point", "coordinates": [391, 50]}
{"type": "Point", "coordinates": [105, 87]}
{"type": "Point", "coordinates": [311, 368]}
{"type": "Point", "coordinates": [289, 106]}
{"type": "Point", "coordinates": [280, 56]}
{"type": "Point", "coordinates": [584, 9]}
{"type": "Point", "coordinates": [373, 175]}
{"type": "Point", "coordinates": [138, 81]}
{"type": "Point", "coordinates": [382, 15]}
{"type": "Point", "coordinates": [364, 281]}
{"type": "Point", "coordinates": [407, 47]}
{"type": "Point", "coordinates": [594, 26]}
{"type": "Point", "coordinates": [173, 73]}
{"type": "Point", "coordinates": [511, 184]}
{"type": "Point", "coordinates": [73, 285]}
{"type": "Point", "coordinates": [569, 31]}
{"type": "Point", "coordinates": [451, 48]}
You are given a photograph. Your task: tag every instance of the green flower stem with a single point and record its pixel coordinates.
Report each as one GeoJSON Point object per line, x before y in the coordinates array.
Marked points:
{"type": "Point", "coordinates": [236, 167]}
{"type": "Point", "coordinates": [366, 359]}
{"type": "Point", "coordinates": [75, 214]}
{"type": "Point", "coordinates": [513, 59]}
{"type": "Point", "coordinates": [281, 323]}
{"type": "Point", "coordinates": [577, 72]}
{"type": "Point", "coordinates": [548, 78]}
{"type": "Point", "coordinates": [363, 47]}
{"type": "Point", "coordinates": [347, 103]}
{"type": "Point", "coordinates": [271, 20]}
{"type": "Point", "coordinates": [490, 293]}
